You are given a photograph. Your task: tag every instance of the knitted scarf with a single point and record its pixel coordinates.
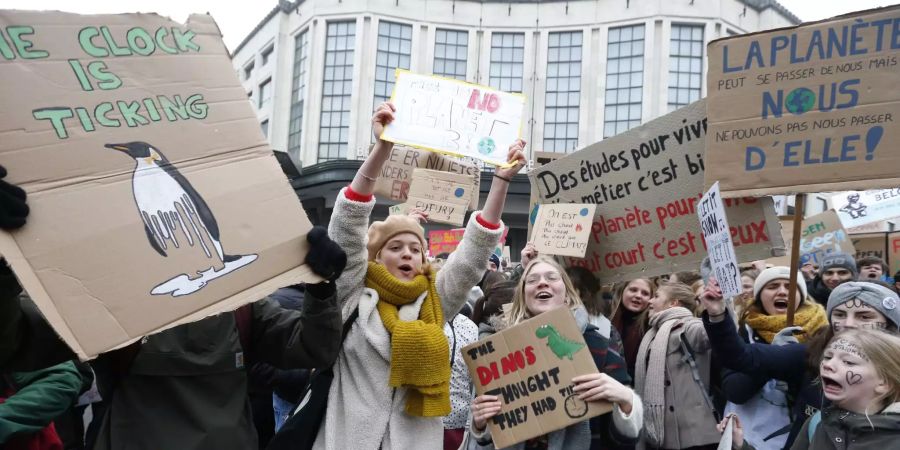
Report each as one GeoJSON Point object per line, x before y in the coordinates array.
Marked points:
{"type": "Point", "coordinates": [810, 316]}
{"type": "Point", "coordinates": [420, 353]}
{"type": "Point", "coordinates": [651, 371]}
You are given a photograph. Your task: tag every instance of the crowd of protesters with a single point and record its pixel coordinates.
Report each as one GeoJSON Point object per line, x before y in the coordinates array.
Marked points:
{"type": "Point", "coordinates": [680, 364]}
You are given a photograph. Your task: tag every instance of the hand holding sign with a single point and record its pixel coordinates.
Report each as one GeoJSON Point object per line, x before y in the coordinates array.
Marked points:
{"type": "Point", "coordinates": [515, 158]}
{"type": "Point", "coordinates": [384, 115]}
{"type": "Point", "coordinates": [595, 387]}
{"type": "Point", "coordinates": [483, 408]}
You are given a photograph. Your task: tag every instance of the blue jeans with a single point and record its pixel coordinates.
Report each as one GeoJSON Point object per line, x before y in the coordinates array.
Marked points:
{"type": "Point", "coordinates": [283, 410]}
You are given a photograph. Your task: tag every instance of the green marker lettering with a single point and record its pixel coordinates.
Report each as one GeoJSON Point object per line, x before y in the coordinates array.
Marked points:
{"type": "Point", "coordinates": [160, 35]}
{"type": "Point", "coordinates": [105, 80]}
{"type": "Point", "coordinates": [56, 116]}
{"type": "Point", "coordinates": [80, 75]}
{"type": "Point", "coordinates": [183, 40]}
{"type": "Point", "coordinates": [198, 109]}
{"type": "Point", "coordinates": [85, 119]}
{"type": "Point", "coordinates": [100, 114]}
{"type": "Point", "coordinates": [172, 108]}
{"type": "Point", "coordinates": [5, 49]}
{"type": "Point", "coordinates": [130, 113]}
{"type": "Point", "coordinates": [24, 45]}
{"type": "Point", "coordinates": [85, 36]}
{"type": "Point", "coordinates": [116, 50]}
{"type": "Point", "coordinates": [151, 109]}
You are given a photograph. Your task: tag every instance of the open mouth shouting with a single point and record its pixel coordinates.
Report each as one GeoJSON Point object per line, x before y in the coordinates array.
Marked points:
{"type": "Point", "coordinates": [780, 305]}
{"type": "Point", "coordinates": [407, 270]}
{"type": "Point", "coordinates": [832, 386]}
{"type": "Point", "coordinates": [544, 296]}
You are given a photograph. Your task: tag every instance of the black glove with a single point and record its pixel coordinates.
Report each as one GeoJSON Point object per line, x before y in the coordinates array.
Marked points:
{"type": "Point", "coordinates": [326, 258]}
{"type": "Point", "coordinates": [13, 209]}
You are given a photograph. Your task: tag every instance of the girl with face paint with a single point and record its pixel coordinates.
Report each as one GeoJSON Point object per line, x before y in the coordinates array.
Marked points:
{"type": "Point", "coordinates": [860, 374]}
{"type": "Point", "coordinates": [851, 306]}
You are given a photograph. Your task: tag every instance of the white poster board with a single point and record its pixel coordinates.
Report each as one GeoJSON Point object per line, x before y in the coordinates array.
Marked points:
{"type": "Point", "coordinates": [451, 116]}
{"type": "Point", "coordinates": [858, 208]}
{"type": "Point", "coordinates": [717, 235]}
{"type": "Point", "coordinates": [563, 228]}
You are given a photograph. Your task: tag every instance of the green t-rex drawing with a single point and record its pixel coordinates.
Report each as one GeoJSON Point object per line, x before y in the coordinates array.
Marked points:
{"type": "Point", "coordinates": [560, 346]}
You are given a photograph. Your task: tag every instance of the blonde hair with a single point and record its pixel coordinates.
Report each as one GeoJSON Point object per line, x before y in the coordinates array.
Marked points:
{"type": "Point", "coordinates": [519, 310]}
{"type": "Point", "coordinates": [883, 350]}
{"type": "Point", "coordinates": [681, 293]}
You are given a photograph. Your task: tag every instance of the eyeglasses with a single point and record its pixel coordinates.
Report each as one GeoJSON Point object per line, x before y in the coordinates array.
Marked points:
{"type": "Point", "coordinates": [551, 277]}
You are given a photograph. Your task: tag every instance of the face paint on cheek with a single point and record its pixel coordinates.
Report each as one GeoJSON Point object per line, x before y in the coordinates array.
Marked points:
{"type": "Point", "coordinates": [848, 347]}
{"type": "Point", "coordinates": [853, 378]}
{"type": "Point", "coordinates": [873, 326]}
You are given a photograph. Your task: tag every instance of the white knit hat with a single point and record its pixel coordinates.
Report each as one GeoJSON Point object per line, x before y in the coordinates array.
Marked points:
{"type": "Point", "coordinates": [777, 273]}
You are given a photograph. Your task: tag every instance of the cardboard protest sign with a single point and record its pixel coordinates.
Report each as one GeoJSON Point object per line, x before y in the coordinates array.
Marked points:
{"type": "Point", "coordinates": [810, 108]}
{"type": "Point", "coordinates": [530, 367]}
{"type": "Point", "coordinates": [444, 241]}
{"type": "Point", "coordinates": [444, 196]}
{"type": "Point", "coordinates": [154, 197]}
{"type": "Point", "coordinates": [646, 183]}
{"type": "Point", "coordinates": [399, 210]}
{"type": "Point", "coordinates": [563, 229]}
{"type": "Point", "coordinates": [893, 253]}
{"type": "Point", "coordinates": [451, 116]}
{"type": "Point", "coordinates": [396, 175]}
{"type": "Point", "coordinates": [871, 244]}
{"type": "Point", "coordinates": [717, 235]}
{"type": "Point", "coordinates": [821, 235]}
{"type": "Point", "coordinates": [859, 208]}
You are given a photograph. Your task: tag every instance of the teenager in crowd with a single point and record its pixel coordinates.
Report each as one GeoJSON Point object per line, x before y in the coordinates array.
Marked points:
{"type": "Point", "coordinates": [836, 268]}
{"type": "Point", "coordinates": [391, 384]}
{"type": "Point", "coordinates": [860, 376]}
{"type": "Point", "coordinates": [630, 302]}
{"type": "Point", "coordinates": [545, 286]}
{"type": "Point", "coordinates": [673, 375]}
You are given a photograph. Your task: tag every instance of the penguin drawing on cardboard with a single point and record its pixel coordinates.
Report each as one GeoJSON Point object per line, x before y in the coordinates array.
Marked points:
{"type": "Point", "coordinates": [167, 203]}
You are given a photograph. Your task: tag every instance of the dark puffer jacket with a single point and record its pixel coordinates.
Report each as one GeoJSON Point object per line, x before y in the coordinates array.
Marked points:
{"type": "Point", "coordinates": [840, 429]}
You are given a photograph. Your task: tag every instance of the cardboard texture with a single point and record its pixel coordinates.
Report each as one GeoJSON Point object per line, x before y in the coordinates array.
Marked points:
{"type": "Point", "coordinates": [563, 229]}
{"type": "Point", "coordinates": [872, 244]}
{"type": "Point", "coordinates": [451, 116]}
{"type": "Point", "coordinates": [396, 175]}
{"type": "Point", "coordinates": [155, 200]}
{"type": "Point", "coordinates": [717, 235]}
{"type": "Point", "coordinates": [860, 208]}
{"type": "Point", "coordinates": [646, 183]}
{"type": "Point", "coordinates": [530, 366]}
{"type": "Point", "coordinates": [893, 253]}
{"type": "Point", "coordinates": [822, 234]}
{"type": "Point", "coordinates": [444, 241]}
{"type": "Point", "coordinates": [810, 108]}
{"type": "Point", "coordinates": [444, 196]}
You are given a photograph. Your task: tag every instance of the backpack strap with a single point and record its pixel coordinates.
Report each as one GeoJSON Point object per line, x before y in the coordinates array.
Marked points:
{"type": "Point", "coordinates": [688, 357]}
{"type": "Point", "coordinates": [453, 351]}
{"type": "Point", "coordinates": [813, 424]}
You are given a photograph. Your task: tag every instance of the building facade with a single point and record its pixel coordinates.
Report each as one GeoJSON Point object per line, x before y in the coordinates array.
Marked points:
{"type": "Point", "coordinates": [590, 69]}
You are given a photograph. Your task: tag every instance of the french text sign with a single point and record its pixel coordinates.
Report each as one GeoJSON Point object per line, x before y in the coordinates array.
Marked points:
{"type": "Point", "coordinates": [563, 228]}
{"type": "Point", "coordinates": [810, 108]}
{"type": "Point", "coordinates": [396, 175]}
{"type": "Point", "coordinates": [859, 208]}
{"type": "Point", "coordinates": [646, 183]}
{"type": "Point", "coordinates": [717, 234]}
{"type": "Point", "coordinates": [452, 116]}
{"type": "Point", "coordinates": [530, 367]}
{"type": "Point", "coordinates": [155, 199]}
{"type": "Point", "coordinates": [443, 196]}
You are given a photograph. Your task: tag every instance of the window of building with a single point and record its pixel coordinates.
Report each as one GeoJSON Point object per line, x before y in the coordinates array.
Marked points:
{"type": "Point", "coordinates": [624, 79]}
{"type": "Point", "coordinates": [450, 53]}
{"type": "Point", "coordinates": [507, 61]}
{"type": "Point", "coordinates": [248, 70]}
{"type": "Point", "coordinates": [264, 125]}
{"type": "Point", "coordinates": [267, 53]}
{"type": "Point", "coordinates": [298, 94]}
{"type": "Point", "coordinates": [334, 129]}
{"type": "Point", "coordinates": [563, 92]}
{"type": "Point", "coordinates": [685, 65]}
{"type": "Point", "coordinates": [265, 92]}
{"type": "Point", "coordinates": [394, 48]}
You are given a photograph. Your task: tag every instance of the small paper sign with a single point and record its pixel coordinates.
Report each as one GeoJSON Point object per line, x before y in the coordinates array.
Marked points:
{"type": "Point", "coordinates": [717, 234]}
{"type": "Point", "coordinates": [563, 228]}
{"type": "Point", "coordinates": [444, 196]}
{"type": "Point", "coordinates": [452, 116]}
{"type": "Point", "coordinates": [444, 241]}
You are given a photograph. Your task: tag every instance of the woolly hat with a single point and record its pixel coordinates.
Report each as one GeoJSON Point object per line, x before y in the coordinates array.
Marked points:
{"type": "Point", "coordinates": [839, 260]}
{"type": "Point", "coordinates": [381, 232]}
{"type": "Point", "coordinates": [877, 297]}
{"type": "Point", "coordinates": [777, 273]}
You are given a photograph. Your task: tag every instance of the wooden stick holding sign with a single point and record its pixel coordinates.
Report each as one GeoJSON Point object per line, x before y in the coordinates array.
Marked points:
{"type": "Point", "coordinates": [795, 257]}
{"type": "Point", "coordinates": [530, 366]}
{"type": "Point", "coordinates": [444, 196]}
{"type": "Point", "coordinates": [563, 228]}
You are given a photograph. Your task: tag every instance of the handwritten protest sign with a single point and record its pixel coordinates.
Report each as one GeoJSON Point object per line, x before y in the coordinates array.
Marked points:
{"type": "Point", "coordinates": [717, 235]}
{"type": "Point", "coordinates": [821, 235]}
{"type": "Point", "coordinates": [894, 253]}
{"type": "Point", "coordinates": [452, 116]}
{"type": "Point", "coordinates": [530, 367]}
{"type": "Point", "coordinates": [154, 197]}
{"type": "Point", "coordinates": [563, 229]}
{"type": "Point", "coordinates": [396, 175]}
{"type": "Point", "coordinates": [647, 183]}
{"type": "Point", "coordinates": [806, 109]}
{"type": "Point", "coordinates": [444, 196]}
{"type": "Point", "coordinates": [444, 241]}
{"type": "Point", "coordinates": [859, 208]}
{"type": "Point", "coordinates": [870, 244]}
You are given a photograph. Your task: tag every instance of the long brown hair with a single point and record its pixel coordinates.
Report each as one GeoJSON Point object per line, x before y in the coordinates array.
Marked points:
{"type": "Point", "coordinates": [644, 317]}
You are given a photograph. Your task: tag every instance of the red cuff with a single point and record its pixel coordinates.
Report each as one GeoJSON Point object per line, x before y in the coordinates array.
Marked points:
{"type": "Point", "coordinates": [486, 224]}
{"type": "Point", "coordinates": [357, 197]}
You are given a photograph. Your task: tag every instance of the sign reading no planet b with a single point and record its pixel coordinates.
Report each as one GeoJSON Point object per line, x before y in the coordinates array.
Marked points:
{"type": "Point", "coordinates": [154, 197]}
{"type": "Point", "coordinates": [451, 116]}
{"type": "Point", "coordinates": [811, 108]}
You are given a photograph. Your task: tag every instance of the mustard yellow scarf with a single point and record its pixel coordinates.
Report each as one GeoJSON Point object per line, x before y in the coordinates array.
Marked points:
{"type": "Point", "coordinates": [810, 316]}
{"type": "Point", "coordinates": [420, 353]}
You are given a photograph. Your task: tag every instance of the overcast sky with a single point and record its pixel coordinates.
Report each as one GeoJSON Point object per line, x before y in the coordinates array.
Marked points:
{"type": "Point", "coordinates": [236, 19]}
